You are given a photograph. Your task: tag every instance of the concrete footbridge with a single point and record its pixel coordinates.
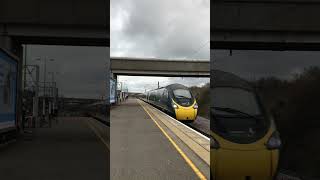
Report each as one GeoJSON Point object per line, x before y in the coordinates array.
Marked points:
{"type": "Point", "coordinates": [159, 67]}
{"type": "Point", "coordinates": [265, 24]}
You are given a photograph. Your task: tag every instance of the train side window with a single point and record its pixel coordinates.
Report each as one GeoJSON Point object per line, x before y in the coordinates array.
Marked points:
{"type": "Point", "coordinates": [165, 95]}
{"type": "Point", "coordinates": [154, 96]}
{"type": "Point", "coordinates": [159, 94]}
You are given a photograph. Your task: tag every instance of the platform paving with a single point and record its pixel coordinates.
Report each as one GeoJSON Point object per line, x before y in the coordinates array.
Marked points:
{"type": "Point", "coordinates": [69, 150]}
{"type": "Point", "coordinates": [139, 149]}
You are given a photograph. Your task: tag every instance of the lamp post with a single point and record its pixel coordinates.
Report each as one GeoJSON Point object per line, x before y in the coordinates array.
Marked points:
{"type": "Point", "coordinates": [44, 85]}
{"type": "Point", "coordinates": [25, 68]}
{"type": "Point", "coordinates": [45, 71]}
{"type": "Point", "coordinates": [53, 82]}
{"type": "Point", "coordinates": [53, 91]}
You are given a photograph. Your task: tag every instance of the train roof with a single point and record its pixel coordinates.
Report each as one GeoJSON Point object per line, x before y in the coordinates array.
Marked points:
{"type": "Point", "coordinates": [176, 86]}
{"type": "Point", "coordinates": [172, 87]}
{"type": "Point", "coordinates": [226, 79]}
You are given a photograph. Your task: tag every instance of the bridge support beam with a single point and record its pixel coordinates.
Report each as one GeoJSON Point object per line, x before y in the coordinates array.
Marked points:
{"type": "Point", "coordinates": [5, 42]}
{"type": "Point", "coordinates": [275, 25]}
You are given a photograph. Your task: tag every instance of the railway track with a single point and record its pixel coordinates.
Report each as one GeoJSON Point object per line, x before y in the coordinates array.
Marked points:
{"type": "Point", "coordinates": [289, 175]}
{"type": "Point", "coordinates": [202, 125]}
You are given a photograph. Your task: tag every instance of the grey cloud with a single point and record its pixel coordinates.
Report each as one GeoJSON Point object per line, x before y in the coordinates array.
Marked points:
{"type": "Point", "coordinates": [188, 81]}
{"type": "Point", "coordinates": [162, 29]}
{"type": "Point", "coordinates": [142, 83]}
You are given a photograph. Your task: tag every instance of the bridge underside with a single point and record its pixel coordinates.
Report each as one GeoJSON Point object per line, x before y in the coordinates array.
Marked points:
{"type": "Point", "coordinates": [63, 41]}
{"type": "Point", "coordinates": [56, 35]}
{"type": "Point", "coordinates": [51, 22]}
{"type": "Point", "coordinates": [265, 25]}
{"type": "Point", "coordinates": [265, 41]}
{"type": "Point", "coordinates": [160, 74]}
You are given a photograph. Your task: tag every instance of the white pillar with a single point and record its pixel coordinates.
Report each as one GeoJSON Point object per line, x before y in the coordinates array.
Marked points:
{"type": "Point", "coordinates": [44, 106]}
{"type": "Point", "coordinates": [50, 103]}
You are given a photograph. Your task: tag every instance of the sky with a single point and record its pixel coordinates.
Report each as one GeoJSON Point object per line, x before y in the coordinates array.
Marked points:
{"type": "Point", "coordinates": [168, 29]}
{"type": "Point", "coordinates": [253, 64]}
{"type": "Point", "coordinates": [161, 29]}
{"type": "Point", "coordinates": [80, 71]}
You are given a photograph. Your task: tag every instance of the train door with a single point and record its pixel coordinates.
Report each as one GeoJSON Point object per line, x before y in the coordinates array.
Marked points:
{"type": "Point", "coordinates": [159, 97]}
{"type": "Point", "coordinates": [165, 99]}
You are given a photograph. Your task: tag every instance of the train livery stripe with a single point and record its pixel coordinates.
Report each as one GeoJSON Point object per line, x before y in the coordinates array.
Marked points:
{"type": "Point", "coordinates": [185, 157]}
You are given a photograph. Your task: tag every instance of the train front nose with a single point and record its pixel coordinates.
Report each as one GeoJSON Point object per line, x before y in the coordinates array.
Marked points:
{"type": "Point", "coordinates": [242, 165]}
{"type": "Point", "coordinates": [186, 113]}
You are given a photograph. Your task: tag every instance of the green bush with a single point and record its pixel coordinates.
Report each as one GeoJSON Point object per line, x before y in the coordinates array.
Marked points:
{"type": "Point", "coordinates": [295, 106]}
{"type": "Point", "coordinates": [202, 95]}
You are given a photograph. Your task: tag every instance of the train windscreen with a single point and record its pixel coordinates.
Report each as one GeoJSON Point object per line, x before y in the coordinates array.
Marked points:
{"type": "Point", "coordinates": [236, 98]}
{"type": "Point", "coordinates": [237, 114]}
{"type": "Point", "coordinates": [183, 97]}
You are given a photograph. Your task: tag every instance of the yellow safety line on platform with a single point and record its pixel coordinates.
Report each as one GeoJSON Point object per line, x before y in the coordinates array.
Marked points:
{"type": "Point", "coordinates": [185, 157]}
{"type": "Point", "coordinates": [97, 134]}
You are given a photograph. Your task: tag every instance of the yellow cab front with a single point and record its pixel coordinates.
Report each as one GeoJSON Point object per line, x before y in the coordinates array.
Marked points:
{"type": "Point", "coordinates": [232, 160]}
{"type": "Point", "coordinates": [186, 113]}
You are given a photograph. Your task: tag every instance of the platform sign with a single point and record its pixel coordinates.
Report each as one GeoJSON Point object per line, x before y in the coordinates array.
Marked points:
{"type": "Point", "coordinates": [112, 91]}
{"type": "Point", "coordinates": [8, 90]}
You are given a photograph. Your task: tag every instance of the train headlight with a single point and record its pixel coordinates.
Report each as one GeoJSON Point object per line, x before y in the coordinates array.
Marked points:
{"type": "Point", "coordinates": [214, 144]}
{"type": "Point", "coordinates": [195, 106]}
{"type": "Point", "coordinates": [274, 141]}
{"type": "Point", "coordinates": [175, 106]}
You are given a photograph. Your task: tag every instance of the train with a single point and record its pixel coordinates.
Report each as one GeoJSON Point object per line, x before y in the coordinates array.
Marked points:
{"type": "Point", "coordinates": [176, 100]}
{"type": "Point", "coordinates": [244, 141]}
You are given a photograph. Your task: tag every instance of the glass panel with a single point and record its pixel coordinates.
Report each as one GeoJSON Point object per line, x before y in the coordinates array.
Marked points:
{"type": "Point", "coordinates": [235, 98]}
{"type": "Point", "coordinates": [182, 93]}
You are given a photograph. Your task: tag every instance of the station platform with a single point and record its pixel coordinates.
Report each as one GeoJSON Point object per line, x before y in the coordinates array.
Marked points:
{"type": "Point", "coordinates": [145, 145]}
{"type": "Point", "coordinates": [74, 148]}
